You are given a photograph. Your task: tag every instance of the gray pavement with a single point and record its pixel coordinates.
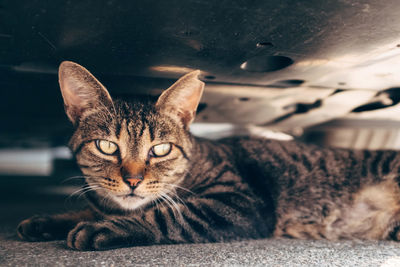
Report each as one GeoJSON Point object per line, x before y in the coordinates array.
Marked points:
{"type": "Point", "coordinates": [266, 252]}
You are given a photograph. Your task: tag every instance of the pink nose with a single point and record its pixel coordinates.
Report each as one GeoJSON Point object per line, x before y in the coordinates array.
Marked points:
{"type": "Point", "coordinates": [133, 181]}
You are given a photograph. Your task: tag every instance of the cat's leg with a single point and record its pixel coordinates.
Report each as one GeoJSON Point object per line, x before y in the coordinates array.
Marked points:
{"type": "Point", "coordinates": [52, 227]}
{"type": "Point", "coordinates": [198, 220]}
{"type": "Point", "coordinates": [300, 231]}
{"type": "Point", "coordinates": [109, 234]}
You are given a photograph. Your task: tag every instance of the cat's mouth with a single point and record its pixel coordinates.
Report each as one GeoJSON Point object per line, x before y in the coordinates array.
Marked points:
{"type": "Point", "coordinates": [131, 195]}
{"type": "Point", "coordinates": [130, 200]}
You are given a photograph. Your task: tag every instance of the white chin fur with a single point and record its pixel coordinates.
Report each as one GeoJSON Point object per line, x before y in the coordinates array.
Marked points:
{"type": "Point", "coordinates": [131, 202]}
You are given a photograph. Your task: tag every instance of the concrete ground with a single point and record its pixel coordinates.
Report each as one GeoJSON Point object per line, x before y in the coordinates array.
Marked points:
{"type": "Point", "coordinates": [21, 197]}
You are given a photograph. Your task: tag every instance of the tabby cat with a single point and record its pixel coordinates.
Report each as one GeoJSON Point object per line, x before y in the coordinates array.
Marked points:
{"type": "Point", "coordinates": [150, 181]}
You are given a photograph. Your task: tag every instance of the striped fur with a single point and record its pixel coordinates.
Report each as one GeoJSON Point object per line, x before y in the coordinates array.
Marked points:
{"type": "Point", "coordinates": [206, 191]}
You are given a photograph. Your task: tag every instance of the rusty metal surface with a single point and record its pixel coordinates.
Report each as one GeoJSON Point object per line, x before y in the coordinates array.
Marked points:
{"type": "Point", "coordinates": [260, 59]}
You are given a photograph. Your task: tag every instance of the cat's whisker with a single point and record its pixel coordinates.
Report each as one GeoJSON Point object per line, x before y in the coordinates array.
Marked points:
{"type": "Point", "coordinates": [73, 178]}
{"type": "Point", "coordinates": [180, 187]}
{"type": "Point", "coordinates": [155, 201]}
{"type": "Point", "coordinates": [80, 190]}
{"type": "Point", "coordinates": [174, 206]}
{"type": "Point", "coordinates": [106, 199]}
{"type": "Point", "coordinates": [169, 200]}
{"type": "Point", "coordinates": [158, 203]}
{"type": "Point", "coordinates": [174, 194]}
{"type": "Point", "coordinates": [88, 189]}
{"type": "Point", "coordinates": [165, 201]}
{"type": "Point", "coordinates": [87, 177]}
{"type": "Point", "coordinates": [159, 200]}
{"type": "Point", "coordinates": [169, 205]}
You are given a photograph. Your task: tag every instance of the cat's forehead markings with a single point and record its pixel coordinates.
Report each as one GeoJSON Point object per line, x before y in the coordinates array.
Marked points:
{"type": "Point", "coordinates": [131, 144]}
{"type": "Point", "coordinates": [131, 128]}
{"type": "Point", "coordinates": [143, 143]}
{"type": "Point", "coordinates": [123, 138]}
{"type": "Point", "coordinates": [118, 129]}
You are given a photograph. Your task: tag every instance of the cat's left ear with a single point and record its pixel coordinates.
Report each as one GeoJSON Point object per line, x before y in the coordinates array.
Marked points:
{"type": "Point", "coordinates": [81, 91]}
{"type": "Point", "coordinates": [182, 98]}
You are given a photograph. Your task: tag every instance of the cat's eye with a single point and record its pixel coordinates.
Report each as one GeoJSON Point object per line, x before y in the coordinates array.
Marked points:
{"type": "Point", "coordinates": [106, 147]}
{"type": "Point", "coordinates": [161, 150]}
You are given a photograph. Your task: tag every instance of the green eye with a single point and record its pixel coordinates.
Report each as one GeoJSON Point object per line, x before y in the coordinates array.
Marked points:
{"type": "Point", "coordinates": [161, 150]}
{"type": "Point", "coordinates": [106, 147]}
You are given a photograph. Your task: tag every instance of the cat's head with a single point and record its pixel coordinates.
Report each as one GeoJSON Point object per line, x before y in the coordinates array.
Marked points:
{"type": "Point", "coordinates": [130, 153]}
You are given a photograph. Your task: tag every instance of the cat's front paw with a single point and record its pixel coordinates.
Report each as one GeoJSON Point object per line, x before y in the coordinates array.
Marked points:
{"type": "Point", "coordinates": [37, 228]}
{"type": "Point", "coordinates": [94, 236]}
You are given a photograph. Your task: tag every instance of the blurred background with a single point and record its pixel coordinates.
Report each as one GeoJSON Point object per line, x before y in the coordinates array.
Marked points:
{"type": "Point", "coordinates": [325, 72]}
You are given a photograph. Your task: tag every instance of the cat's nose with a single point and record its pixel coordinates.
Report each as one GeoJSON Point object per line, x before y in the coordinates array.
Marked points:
{"type": "Point", "coordinates": [132, 173]}
{"type": "Point", "coordinates": [134, 182]}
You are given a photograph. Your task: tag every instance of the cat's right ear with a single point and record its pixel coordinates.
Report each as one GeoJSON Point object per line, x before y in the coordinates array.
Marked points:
{"type": "Point", "coordinates": [81, 91]}
{"type": "Point", "coordinates": [182, 98]}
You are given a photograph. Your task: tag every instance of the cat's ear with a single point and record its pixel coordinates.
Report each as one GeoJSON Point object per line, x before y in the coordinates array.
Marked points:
{"type": "Point", "coordinates": [81, 91]}
{"type": "Point", "coordinates": [182, 98]}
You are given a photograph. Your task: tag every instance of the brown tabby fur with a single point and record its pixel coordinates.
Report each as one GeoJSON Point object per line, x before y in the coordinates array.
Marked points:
{"type": "Point", "coordinates": [208, 191]}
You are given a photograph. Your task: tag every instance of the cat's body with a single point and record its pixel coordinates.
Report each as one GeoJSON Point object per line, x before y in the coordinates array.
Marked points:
{"type": "Point", "coordinates": [152, 182]}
